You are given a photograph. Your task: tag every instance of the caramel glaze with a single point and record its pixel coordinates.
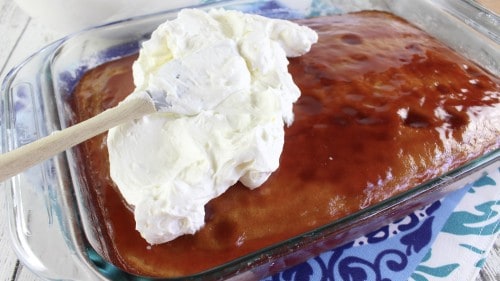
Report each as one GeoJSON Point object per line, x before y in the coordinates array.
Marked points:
{"type": "Point", "coordinates": [384, 107]}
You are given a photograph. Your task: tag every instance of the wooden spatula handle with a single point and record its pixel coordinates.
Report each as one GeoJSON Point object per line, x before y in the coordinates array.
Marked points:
{"type": "Point", "coordinates": [15, 161]}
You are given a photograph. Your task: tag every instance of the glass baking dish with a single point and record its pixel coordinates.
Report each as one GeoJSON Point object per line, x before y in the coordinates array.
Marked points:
{"type": "Point", "coordinates": [53, 230]}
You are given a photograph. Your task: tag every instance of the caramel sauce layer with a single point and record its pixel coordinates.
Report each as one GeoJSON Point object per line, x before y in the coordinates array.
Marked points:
{"type": "Point", "coordinates": [384, 107]}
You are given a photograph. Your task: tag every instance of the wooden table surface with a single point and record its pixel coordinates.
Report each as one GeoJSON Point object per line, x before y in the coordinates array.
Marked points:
{"type": "Point", "coordinates": [21, 36]}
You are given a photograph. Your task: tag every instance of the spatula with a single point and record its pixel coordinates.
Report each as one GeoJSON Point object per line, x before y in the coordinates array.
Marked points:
{"type": "Point", "coordinates": [24, 157]}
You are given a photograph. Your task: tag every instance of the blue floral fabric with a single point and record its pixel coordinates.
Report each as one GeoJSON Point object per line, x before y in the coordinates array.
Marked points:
{"type": "Point", "coordinates": [405, 249]}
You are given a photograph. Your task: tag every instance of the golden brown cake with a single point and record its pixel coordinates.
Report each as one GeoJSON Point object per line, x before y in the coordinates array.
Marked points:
{"type": "Point", "coordinates": [384, 107]}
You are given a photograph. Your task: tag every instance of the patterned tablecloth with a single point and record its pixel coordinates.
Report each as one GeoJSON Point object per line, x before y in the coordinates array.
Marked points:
{"type": "Point", "coordinates": [446, 240]}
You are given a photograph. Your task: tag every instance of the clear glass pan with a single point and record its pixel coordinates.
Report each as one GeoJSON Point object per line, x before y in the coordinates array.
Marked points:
{"type": "Point", "coordinates": [52, 228]}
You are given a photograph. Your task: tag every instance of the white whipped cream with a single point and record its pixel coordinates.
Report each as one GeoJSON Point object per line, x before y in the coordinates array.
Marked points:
{"type": "Point", "coordinates": [226, 94]}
